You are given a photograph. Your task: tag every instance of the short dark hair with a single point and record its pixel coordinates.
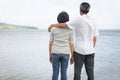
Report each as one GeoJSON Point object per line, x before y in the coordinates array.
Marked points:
{"type": "Point", "coordinates": [63, 17]}
{"type": "Point", "coordinates": [85, 7]}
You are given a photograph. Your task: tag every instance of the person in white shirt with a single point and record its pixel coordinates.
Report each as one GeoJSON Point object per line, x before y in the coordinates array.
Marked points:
{"type": "Point", "coordinates": [85, 40]}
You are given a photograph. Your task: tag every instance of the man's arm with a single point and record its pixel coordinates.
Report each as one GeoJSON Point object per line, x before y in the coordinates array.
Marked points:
{"type": "Point", "coordinates": [72, 53]}
{"type": "Point", "coordinates": [94, 41]}
{"type": "Point", "coordinates": [59, 25]}
{"type": "Point", "coordinates": [50, 49]}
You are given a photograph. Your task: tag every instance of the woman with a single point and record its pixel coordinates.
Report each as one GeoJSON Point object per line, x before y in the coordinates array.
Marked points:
{"type": "Point", "coordinates": [60, 47]}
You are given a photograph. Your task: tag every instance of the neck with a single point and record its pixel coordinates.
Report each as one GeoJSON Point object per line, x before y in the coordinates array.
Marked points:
{"type": "Point", "coordinates": [81, 13]}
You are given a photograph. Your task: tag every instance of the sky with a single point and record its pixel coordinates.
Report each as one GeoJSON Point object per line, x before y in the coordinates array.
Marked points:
{"type": "Point", "coordinates": [42, 13]}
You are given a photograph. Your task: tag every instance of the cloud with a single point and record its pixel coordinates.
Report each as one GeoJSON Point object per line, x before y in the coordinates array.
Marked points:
{"type": "Point", "coordinates": [107, 14]}
{"type": "Point", "coordinates": [44, 12]}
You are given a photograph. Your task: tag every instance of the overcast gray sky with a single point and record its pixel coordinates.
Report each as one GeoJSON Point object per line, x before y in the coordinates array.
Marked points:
{"type": "Point", "coordinates": [41, 13]}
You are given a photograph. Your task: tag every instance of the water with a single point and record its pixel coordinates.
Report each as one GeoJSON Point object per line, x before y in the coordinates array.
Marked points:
{"type": "Point", "coordinates": [24, 56]}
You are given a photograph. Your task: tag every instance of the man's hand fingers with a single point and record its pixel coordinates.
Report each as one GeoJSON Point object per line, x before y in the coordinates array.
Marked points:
{"type": "Point", "coordinates": [48, 29]}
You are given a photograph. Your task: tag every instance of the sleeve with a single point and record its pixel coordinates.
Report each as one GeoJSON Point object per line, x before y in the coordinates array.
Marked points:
{"type": "Point", "coordinates": [71, 39]}
{"type": "Point", "coordinates": [72, 24]}
{"type": "Point", "coordinates": [51, 36]}
{"type": "Point", "coordinates": [96, 32]}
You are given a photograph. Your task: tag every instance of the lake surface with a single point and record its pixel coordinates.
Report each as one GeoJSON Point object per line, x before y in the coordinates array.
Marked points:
{"type": "Point", "coordinates": [24, 56]}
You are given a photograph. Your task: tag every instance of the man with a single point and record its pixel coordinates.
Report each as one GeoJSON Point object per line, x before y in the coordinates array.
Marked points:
{"type": "Point", "coordinates": [60, 47]}
{"type": "Point", "coordinates": [85, 40]}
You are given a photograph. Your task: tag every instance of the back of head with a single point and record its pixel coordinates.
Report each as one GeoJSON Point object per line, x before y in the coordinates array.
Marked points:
{"type": "Point", "coordinates": [63, 17]}
{"type": "Point", "coordinates": [85, 7]}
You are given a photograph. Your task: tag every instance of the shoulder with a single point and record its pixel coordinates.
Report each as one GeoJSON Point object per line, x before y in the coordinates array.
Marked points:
{"type": "Point", "coordinates": [74, 22]}
{"type": "Point", "coordinates": [54, 29]}
{"type": "Point", "coordinates": [77, 18]}
{"type": "Point", "coordinates": [70, 30]}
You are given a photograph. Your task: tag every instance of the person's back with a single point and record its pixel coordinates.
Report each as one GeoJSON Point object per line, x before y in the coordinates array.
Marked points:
{"type": "Point", "coordinates": [84, 31]}
{"type": "Point", "coordinates": [85, 39]}
{"type": "Point", "coordinates": [61, 43]}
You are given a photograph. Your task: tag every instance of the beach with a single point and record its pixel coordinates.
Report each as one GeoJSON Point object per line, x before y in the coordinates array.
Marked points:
{"type": "Point", "coordinates": [24, 56]}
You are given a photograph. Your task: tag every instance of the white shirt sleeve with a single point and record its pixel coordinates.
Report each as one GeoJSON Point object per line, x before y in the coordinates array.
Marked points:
{"type": "Point", "coordinates": [96, 32]}
{"type": "Point", "coordinates": [72, 24]}
{"type": "Point", "coordinates": [51, 35]}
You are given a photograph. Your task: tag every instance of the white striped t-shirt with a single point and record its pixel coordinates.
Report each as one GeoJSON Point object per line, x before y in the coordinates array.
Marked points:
{"type": "Point", "coordinates": [61, 38]}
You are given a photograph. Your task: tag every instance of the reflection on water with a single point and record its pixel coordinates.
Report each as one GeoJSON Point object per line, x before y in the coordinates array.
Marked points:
{"type": "Point", "coordinates": [24, 56]}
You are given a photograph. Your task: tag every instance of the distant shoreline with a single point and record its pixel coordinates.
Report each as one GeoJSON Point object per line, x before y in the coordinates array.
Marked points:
{"type": "Point", "coordinates": [109, 29]}
{"type": "Point", "coordinates": [42, 30]}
